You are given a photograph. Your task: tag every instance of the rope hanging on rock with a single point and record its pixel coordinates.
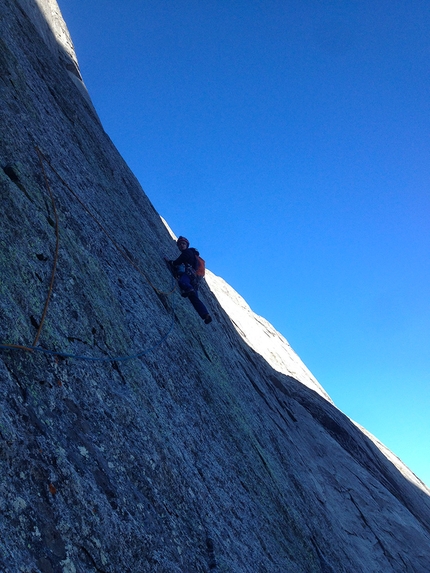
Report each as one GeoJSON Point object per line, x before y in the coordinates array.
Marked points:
{"type": "Point", "coordinates": [57, 246]}
{"type": "Point", "coordinates": [105, 231]}
{"type": "Point", "coordinates": [34, 346]}
{"type": "Point", "coordinates": [120, 358]}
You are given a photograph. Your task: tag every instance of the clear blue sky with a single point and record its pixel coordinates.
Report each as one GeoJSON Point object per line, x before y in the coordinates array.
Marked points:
{"type": "Point", "coordinates": [289, 141]}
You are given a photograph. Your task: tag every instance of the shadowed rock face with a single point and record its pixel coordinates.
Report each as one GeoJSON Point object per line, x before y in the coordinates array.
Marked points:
{"type": "Point", "coordinates": [196, 456]}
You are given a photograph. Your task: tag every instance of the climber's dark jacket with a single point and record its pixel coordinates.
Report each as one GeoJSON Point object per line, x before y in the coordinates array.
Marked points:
{"type": "Point", "coordinates": [188, 280]}
{"type": "Point", "coordinates": [187, 257]}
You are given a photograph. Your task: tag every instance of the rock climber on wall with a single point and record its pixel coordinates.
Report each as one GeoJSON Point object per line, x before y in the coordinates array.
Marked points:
{"type": "Point", "coordinates": [189, 268]}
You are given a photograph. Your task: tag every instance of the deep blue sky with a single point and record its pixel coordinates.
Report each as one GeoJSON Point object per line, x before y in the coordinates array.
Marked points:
{"type": "Point", "coordinates": [289, 141]}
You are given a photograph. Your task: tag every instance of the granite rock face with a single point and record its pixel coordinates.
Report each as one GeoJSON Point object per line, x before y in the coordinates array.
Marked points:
{"type": "Point", "coordinates": [163, 445]}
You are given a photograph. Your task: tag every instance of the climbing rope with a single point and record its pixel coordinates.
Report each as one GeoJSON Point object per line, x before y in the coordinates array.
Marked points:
{"type": "Point", "coordinates": [57, 245]}
{"type": "Point", "coordinates": [34, 347]}
{"type": "Point", "coordinates": [105, 231]}
{"type": "Point", "coordinates": [121, 358]}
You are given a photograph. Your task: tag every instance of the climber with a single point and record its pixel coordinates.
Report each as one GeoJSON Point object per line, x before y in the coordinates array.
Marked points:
{"type": "Point", "coordinates": [185, 269]}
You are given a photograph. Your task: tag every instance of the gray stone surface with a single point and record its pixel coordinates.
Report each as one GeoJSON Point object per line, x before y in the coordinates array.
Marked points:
{"type": "Point", "coordinates": [198, 456]}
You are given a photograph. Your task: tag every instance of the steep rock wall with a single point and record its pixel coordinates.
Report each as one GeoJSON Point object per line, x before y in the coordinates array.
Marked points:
{"type": "Point", "coordinates": [194, 455]}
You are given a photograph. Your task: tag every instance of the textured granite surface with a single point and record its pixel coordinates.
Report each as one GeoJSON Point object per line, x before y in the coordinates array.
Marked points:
{"type": "Point", "coordinates": [197, 455]}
